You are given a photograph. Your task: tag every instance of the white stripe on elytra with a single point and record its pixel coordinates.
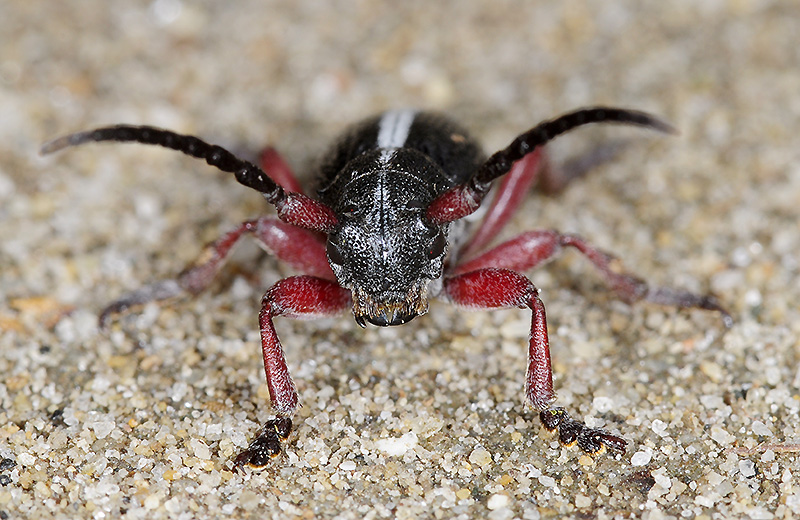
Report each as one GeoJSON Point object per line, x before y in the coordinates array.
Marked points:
{"type": "Point", "coordinates": [393, 128]}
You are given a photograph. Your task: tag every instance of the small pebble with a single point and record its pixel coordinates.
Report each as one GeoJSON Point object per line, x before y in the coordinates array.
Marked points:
{"type": "Point", "coordinates": [200, 448]}
{"type": "Point", "coordinates": [746, 468]}
{"type": "Point", "coordinates": [399, 445]}
{"type": "Point", "coordinates": [721, 436]}
{"type": "Point", "coordinates": [642, 457]}
{"type": "Point", "coordinates": [497, 501]}
{"type": "Point", "coordinates": [480, 457]}
{"type": "Point", "coordinates": [759, 428]}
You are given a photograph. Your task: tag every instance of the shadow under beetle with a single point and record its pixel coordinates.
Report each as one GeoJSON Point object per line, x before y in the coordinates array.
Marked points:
{"type": "Point", "coordinates": [389, 231]}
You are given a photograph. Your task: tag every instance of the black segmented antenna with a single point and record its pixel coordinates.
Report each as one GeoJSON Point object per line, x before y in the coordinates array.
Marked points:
{"type": "Point", "coordinates": [500, 163]}
{"type": "Point", "coordinates": [316, 215]}
{"type": "Point", "coordinates": [464, 199]}
{"type": "Point", "coordinates": [246, 172]}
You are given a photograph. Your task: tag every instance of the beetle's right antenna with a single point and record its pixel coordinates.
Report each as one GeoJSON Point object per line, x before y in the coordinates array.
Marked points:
{"type": "Point", "coordinates": [293, 208]}
{"type": "Point", "coordinates": [462, 200]}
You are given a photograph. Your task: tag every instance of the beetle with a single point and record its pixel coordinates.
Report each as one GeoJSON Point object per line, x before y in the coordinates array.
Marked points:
{"type": "Point", "coordinates": [390, 230]}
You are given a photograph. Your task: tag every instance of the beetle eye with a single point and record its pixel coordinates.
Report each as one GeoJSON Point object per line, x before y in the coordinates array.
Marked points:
{"type": "Point", "coordinates": [334, 255]}
{"type": "Point", "coordinates": [415, 204]}
{"type": "Point", "coordinates": [437, 247]}
{"type": "Point", "coordinates": [349, 210]}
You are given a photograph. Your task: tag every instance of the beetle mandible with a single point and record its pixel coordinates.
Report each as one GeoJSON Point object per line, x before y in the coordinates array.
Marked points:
{"type": "Point", "coordinates": [388, 231]}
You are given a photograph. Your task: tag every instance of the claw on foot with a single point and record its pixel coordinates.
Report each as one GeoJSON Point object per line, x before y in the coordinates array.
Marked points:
{"type": "Point", "coordinates": [571, 432]}
{"type": "Point", "coordinates": [266, 446]}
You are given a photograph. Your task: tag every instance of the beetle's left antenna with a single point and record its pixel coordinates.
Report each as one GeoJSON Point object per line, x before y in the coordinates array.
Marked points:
{"type": "Point", "coordinates": [293, 208]}
{"type": "Point", "coordinates": [246, 173]}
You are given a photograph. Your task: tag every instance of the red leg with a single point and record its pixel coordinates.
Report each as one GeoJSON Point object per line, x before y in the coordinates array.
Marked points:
{"type": "Point", "coordinates": [518, 254]}
{"type": "Point", "coordinates": [298, 247]}
{"type": "Point", "coordinates": [554, 179]}
{"type": "Point", "coordinates": [304, 297]}
{"type": "Point", "coordinates": [279, 170]}
{"type": "Point", "coordinates": [535, 168]}
{"type": "Point", "coordinates": [534, 247]}
{"type": "Point", "coordinates": [502, 288]}
{"type": "Point", "coordinates": [511, 192]}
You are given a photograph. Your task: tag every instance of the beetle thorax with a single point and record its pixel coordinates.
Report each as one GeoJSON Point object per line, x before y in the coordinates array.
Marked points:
{"type": "Point", "coordinates": [383, 249]}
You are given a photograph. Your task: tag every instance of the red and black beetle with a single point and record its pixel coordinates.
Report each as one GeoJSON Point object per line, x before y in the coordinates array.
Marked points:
{"type": "Point", "coordinates": [388, 231]}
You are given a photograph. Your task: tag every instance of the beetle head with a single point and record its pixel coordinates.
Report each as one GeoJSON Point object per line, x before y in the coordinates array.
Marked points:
{"type": "Point", "coordinates": [383, 249]}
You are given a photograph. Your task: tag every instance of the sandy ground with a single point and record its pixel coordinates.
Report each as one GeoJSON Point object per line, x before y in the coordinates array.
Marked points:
{"type": "Point", "coordinates": [426, 420]}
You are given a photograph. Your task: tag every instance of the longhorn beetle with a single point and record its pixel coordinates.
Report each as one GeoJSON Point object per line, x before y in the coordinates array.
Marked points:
{"type": "Point", "coordinates": [388, 232]}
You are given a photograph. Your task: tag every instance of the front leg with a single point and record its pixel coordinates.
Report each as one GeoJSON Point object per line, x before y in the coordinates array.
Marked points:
{"type": "Point", "coordinates": [304, 297]}
{"type": "Point", "coordinates": [501, 288]}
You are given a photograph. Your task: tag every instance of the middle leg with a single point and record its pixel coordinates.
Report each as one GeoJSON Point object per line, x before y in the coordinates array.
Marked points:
{"type": "Point", "coordinates": [509, 195]}
{"type": "Point", "coordinates": [530, 249]}
{"type": "Point", "coordinates": [300, 248]}
{"type": "Point", "coordinates": [536, 169]}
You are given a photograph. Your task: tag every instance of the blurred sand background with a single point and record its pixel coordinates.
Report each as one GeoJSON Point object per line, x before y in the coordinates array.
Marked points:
{"type": "Point", "coordinates": [426, 420]}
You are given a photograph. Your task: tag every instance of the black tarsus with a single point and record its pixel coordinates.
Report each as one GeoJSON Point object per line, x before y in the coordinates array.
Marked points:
{"type": "Point", "coordinates": [571, 432]}
{"type": "Point", "coordinates": [266, 446]}
{"type": "Point", "coordinates": [668, 296]}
